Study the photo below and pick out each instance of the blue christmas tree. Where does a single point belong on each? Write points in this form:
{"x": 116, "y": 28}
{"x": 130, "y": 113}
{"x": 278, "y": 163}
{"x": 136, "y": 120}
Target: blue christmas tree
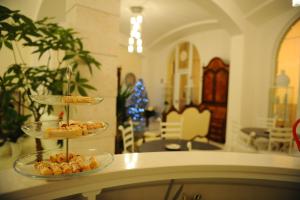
{"x": 136, "y": 105}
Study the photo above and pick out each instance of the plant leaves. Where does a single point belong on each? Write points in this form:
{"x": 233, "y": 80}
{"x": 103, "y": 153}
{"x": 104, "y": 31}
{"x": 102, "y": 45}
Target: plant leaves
{"x": 88, "y": 87}
{"x": 8, "y": 44}
{"x": 81, "y": 91}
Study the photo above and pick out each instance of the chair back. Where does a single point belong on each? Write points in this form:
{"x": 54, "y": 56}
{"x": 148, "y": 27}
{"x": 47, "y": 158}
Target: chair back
{"x": 173, "y": 116}
{"x": 280, "y": 139}
{"x": 195, "y": 123}
{"x": 171, "y": 130}
{"x": 266, "y": 122}
{"x": 128, "y": 137}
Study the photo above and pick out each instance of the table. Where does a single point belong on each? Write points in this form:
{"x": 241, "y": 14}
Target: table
{"x": 259, "y": 132}
{"x": 160, "y": 145}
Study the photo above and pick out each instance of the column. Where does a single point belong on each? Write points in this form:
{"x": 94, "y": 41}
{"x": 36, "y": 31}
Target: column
{"x": 97, "y": 22}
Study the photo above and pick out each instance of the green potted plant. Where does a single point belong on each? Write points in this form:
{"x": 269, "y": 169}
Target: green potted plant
{"x": 122, "y": 116}
{"x": 48, "y": 40}
{"x": 10, "y": 119}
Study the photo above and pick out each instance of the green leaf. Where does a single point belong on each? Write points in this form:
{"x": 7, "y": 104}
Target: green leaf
{"x": 88, "y": 86}
{"x": 72, "y": 88}
{"x": 3, "y": 16}
{"x": 68, "y": 56}
{"x": 77, "y": 77}
{"x": 83, "y": 80}
{"x": 5, "y": 10}
{"x": 26, "y": 19}
{"x": 81, "y": 91}
{"x": 8, "y": 44}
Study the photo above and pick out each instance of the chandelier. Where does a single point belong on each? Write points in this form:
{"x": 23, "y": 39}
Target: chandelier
{"x": 135, "y": 42}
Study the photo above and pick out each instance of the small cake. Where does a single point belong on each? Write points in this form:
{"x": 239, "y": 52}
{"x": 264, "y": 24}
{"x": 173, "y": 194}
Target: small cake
{"x": 95, "y": 125}
{"x": 64, "y": 132}
{"x": 57, "y": 164}
{"x": 78, "y": 99}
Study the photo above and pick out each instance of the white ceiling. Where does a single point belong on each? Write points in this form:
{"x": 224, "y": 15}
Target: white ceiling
{"x": 161, "y": 16}
{"x": 168, "y": 18}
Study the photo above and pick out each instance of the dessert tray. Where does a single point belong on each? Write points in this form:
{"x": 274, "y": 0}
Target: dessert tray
{"x": 55, "y": 129}
{"x": 62, "y": 163}
{"x": 65, "y": 100}
{"x": 53, "y": 165}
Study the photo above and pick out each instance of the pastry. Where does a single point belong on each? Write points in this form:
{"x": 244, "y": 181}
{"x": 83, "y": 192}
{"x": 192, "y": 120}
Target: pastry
{"x": 56, "y": 169}
{"x": 63, "y": 132}
{"x": 93, "y": 162}
{"x": 57, "y": 164}
{"x": 78, "y": 99}
{"x": 95, "y": 125}
{"x": 75, "y": 129}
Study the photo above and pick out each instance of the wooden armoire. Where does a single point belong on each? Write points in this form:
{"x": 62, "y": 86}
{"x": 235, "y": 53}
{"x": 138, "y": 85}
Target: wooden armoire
{"x": 214, "y": 97}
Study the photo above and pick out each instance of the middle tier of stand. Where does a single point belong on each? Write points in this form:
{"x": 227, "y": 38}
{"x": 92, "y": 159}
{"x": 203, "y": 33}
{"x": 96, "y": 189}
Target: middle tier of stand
{"x": 65, "y": 100}
{"x": 55, "y": 129}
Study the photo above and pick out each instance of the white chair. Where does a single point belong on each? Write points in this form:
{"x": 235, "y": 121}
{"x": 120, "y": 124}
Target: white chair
{"x": 171, "y": 130}
{"x": 128, "y": 138}
{"x": 242, "y": 142}
{"x": 153, "y": 134}
{"x": 266, "y": 122}
{"x": 280, "y": 139}
{"x": 261, "y": 143}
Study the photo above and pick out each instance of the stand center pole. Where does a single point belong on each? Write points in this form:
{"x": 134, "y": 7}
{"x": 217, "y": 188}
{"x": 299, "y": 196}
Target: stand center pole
{"x": 69, "y": 74}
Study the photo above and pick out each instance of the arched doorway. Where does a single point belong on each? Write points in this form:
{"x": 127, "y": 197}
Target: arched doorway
{"x": 183, "y": 76}
{"x": 288, "y": 63}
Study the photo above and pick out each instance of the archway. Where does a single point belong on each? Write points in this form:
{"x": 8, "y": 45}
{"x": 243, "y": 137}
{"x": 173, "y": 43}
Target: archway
{"x": 288, "y": 63}
{"x": 183, "y": 76}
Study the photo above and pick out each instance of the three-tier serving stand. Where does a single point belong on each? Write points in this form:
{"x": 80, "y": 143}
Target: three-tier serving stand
{"x": 37, "y": 130}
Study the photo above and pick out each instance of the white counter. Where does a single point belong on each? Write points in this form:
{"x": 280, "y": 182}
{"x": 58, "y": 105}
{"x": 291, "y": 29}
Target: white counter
{"x": 146, "y": 167}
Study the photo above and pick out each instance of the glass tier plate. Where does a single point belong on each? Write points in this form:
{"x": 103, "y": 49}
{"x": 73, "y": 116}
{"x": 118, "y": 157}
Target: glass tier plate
{"x": 65, "y": 100}
{"x": 44, "y": 129}
{"x": 24, "y": 165}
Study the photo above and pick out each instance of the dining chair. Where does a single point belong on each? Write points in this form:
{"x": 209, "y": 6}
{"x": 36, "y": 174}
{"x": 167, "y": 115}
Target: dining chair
{"x": 242, "y": 142}
{"x": 196, "y": 124}
{"x": 153, "y": 134}
{"x": 280, "y": 139}
{"x": 266, "y": 122}
{"x": 171, "y": 129}
{"x": 128, "y": 138}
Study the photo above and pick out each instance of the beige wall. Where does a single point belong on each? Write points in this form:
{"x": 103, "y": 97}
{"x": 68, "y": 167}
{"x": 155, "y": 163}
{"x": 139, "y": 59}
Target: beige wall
{"x": 129, "y": 62}
{"x": 29, "y": 8}
{"x": 98, "y": 24}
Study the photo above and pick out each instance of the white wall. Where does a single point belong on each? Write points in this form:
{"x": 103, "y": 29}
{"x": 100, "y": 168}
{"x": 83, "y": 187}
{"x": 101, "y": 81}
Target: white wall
{"x": 261, "y": 46}
{"x": 256, "y": 55}
{"x": 209, "y": 44}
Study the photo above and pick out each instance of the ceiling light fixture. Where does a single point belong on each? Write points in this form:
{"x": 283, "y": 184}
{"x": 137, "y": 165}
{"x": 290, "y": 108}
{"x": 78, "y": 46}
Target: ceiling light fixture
{"x": 135, "y": 39}
{"x": 296, "y": 3}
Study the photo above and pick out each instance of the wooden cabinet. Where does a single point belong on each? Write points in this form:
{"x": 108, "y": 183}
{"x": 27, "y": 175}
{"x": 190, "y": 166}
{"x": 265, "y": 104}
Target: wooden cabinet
{"x": 214, "y": 97}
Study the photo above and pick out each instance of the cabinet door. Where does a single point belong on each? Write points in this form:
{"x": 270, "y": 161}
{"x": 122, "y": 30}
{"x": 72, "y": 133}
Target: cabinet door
{"x": 208, "y": 86}
{"x": 221, "y": 87}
